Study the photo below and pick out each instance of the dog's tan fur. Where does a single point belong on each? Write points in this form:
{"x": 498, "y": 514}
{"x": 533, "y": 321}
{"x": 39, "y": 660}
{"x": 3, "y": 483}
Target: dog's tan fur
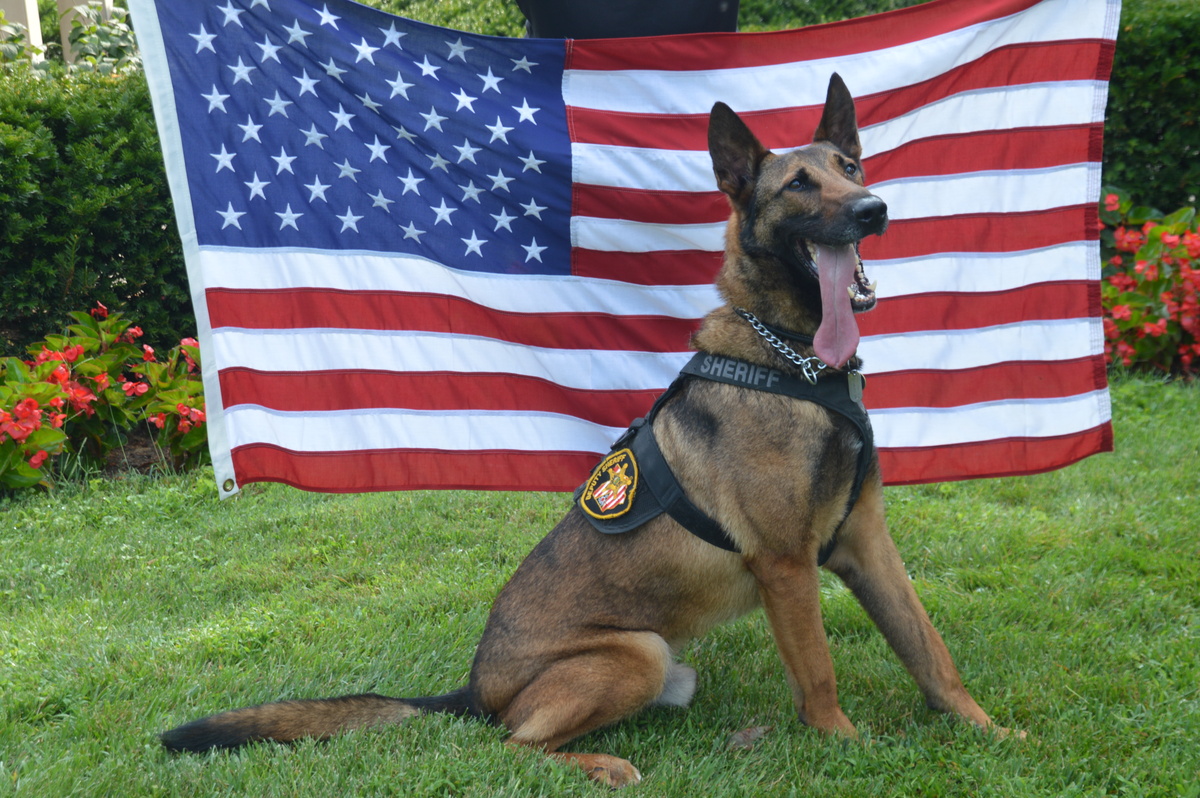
{"x": 584, "y": 633}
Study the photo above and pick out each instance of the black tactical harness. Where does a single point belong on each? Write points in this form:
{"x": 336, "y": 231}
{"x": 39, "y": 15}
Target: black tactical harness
{"x": 634, "y": 484}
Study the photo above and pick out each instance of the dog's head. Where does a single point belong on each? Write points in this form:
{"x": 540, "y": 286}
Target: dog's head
{"x": 804, "y": 211}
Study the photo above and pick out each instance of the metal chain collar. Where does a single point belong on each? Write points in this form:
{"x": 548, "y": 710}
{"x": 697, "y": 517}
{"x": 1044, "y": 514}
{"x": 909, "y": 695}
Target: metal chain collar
{"x": 811, "y": 367}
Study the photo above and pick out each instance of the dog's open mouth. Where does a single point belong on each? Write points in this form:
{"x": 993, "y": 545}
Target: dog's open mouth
{"x": 844, "y": 292}
{"x": 861, "y": 292}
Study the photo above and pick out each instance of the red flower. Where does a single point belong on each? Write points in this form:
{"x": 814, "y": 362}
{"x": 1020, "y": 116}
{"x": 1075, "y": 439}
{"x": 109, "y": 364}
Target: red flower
{"x": 1170, "y": 240}
{"x": 81, "y": 398}
{"x": 101, "y": 381}
{"x": 158, "y": 419}
{"x": 57, "y": 419}
{"x": 99, "y": 312}
{"x": 1155, "y": 330}
{"x": 24, "y": 419}
{"x": 147, "y": 353}
{"x": 1121, "y": 312}
{"x": 38, "y": 458}
{"x": 1128, "y": 240}
{"x": 27, "y": 408}
{"x": 1122, "y": 282}
{"x": 132, "y": 389}
{"x": 1112, "y": 202}
{"x": 1192, "y": 242}
{"x": 60, "y": 375}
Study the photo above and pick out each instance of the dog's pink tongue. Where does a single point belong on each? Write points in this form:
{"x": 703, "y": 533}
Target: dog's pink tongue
{"x": 837, "y": 337}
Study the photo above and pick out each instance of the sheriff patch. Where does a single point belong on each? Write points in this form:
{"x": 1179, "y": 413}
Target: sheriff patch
{"x": 610, "y": 489}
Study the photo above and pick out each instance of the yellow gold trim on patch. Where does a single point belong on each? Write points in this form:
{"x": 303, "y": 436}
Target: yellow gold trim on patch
{"x": 609, "y": 490}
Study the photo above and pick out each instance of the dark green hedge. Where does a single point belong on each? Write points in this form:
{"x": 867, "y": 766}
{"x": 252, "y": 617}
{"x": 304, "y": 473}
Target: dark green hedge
{"x": 84, "y": 211}
{"x": 1152, "y": 135}
{"x": 85, "y": 215}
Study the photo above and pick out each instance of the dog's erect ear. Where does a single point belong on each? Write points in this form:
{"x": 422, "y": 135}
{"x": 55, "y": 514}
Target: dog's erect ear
{"x": 736, "y": 153}
{"x": 839, "y": 124}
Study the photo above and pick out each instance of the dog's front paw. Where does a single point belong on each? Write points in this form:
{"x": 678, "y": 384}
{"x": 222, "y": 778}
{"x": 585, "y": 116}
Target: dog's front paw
{"x": 1003, "y": 733}
{"x": 613, "y": 771}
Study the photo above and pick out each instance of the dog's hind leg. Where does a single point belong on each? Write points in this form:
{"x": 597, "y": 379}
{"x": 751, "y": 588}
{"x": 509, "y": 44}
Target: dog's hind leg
{"x": 609, "y": 680}
{"x": 868, "y": 562}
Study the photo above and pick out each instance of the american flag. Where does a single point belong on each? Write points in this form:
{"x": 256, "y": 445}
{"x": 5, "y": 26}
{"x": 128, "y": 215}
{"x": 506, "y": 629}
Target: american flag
{"x": 424, "y": 258}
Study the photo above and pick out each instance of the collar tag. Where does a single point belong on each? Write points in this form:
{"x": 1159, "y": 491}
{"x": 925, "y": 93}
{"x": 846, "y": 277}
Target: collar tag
{"x": 854, "y": 384}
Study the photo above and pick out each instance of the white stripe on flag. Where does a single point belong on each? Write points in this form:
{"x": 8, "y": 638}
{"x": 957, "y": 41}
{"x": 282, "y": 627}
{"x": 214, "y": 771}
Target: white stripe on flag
{"x": 346, "y": 431}
{"x": 1014, "y": 191}
{"x": 963, "y": 349}
{"x": 619, "y": 235}
{"x": 904, "y": 427}
{"x": 332, "y": 350}
{"x": 283, "y": 269}
{"x": 985, "y": 272}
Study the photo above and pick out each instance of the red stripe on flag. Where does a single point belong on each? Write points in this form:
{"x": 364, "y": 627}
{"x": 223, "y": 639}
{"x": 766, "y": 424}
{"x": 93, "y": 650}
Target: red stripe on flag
{"x": 984, "y": 232}
{"x": 1001, "y": 458}
{"x": 992, "y": 150}
{"x": 1000, "y": 150}
{"x": 653, "y": 207}
{"x": 319, "y": 391}
{"x": 786, "y": 127}
{"x": 993, "y": 383}
{"x": 359, "y": 471}
{"x": 685, "y": 267}
{"x": 702, "y": 51}
{"x": 300, "y": 308}
{"x": 905, "y": 238}
{"x": 964, "y": 311}
{"x": 402, "y": 469}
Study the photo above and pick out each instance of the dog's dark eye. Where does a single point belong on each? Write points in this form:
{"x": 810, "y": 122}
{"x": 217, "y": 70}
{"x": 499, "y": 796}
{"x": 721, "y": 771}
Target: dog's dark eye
{"x": 851, "y": 169}
{"x": 799, "y": 182}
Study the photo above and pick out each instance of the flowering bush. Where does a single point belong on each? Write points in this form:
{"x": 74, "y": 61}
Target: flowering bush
{"x": 1149, "y": 291}
{"x": 80, "y": 392}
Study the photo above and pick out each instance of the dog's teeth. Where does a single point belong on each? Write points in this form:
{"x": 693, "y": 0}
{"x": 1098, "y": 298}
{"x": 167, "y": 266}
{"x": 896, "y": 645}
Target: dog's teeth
{"x": 872, "y": 286}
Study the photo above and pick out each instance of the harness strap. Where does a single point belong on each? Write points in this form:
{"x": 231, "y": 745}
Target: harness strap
{"x": 666, "y": 488}
{"x": 834, "y": 390}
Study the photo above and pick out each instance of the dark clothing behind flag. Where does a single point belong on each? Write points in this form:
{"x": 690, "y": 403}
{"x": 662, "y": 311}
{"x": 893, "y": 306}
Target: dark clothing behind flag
{"x": 614, "y": 19}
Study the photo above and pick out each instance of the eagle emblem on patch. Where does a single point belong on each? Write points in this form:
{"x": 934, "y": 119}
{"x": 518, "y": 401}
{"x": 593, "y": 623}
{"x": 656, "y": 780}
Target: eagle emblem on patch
{"x": 608, "y": 493}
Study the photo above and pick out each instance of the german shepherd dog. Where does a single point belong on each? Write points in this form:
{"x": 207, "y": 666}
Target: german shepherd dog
{"x": 584, "y": 633}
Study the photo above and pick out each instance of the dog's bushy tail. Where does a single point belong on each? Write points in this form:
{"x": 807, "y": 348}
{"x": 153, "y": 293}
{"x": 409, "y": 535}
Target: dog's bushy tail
{"x": 320, "y": 718}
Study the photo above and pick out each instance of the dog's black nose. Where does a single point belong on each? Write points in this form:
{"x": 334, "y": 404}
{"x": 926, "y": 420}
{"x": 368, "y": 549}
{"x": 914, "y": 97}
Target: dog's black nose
{"x": 870, "y": 213}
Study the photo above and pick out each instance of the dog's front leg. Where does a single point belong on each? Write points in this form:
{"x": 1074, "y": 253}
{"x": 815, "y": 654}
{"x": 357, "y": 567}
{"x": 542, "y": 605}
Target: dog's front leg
{"x": 790, "y": 591}
{"x": 868, "y": 562}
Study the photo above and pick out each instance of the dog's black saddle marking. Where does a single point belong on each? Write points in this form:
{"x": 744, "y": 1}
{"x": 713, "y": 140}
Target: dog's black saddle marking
{"x": 657, "y": 491}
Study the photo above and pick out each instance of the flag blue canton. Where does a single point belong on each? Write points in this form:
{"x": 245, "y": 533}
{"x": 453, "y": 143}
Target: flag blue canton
{"x": 343, "y": 128}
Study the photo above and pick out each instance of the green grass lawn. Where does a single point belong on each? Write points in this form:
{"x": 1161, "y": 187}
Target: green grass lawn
{"x": 1070, "y": 601}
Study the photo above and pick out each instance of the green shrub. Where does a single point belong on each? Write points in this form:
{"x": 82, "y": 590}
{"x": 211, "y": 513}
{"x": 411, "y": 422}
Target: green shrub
{"x": 85, "y": 214}
{"x": 1152, "y": 134}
